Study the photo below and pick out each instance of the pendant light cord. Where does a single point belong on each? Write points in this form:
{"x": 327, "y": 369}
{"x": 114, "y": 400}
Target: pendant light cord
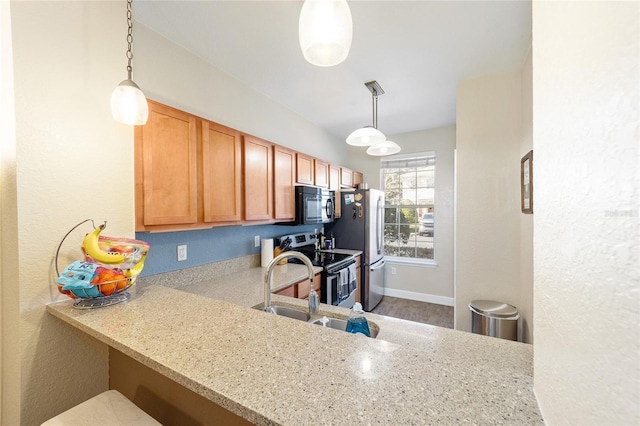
{"x": 129, "y": 38}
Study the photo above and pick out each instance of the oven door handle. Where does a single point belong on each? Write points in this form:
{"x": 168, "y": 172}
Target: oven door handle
{"x": 332, "y": 269}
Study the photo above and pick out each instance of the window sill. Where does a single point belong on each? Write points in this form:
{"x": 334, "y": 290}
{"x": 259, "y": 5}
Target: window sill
{"x": 420, "y": 263}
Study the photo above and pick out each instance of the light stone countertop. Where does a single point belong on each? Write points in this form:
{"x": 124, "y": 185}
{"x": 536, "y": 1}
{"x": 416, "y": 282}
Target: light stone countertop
{"x": 276, "y": 370}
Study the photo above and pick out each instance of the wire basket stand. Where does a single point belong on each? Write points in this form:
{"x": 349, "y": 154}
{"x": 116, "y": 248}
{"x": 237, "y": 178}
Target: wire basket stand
{"x": 102, "y": 293}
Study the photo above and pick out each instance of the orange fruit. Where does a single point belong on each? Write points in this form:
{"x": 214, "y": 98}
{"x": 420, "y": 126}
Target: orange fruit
{"x": 122, "y": 282}
{"x": 107, "y": 289}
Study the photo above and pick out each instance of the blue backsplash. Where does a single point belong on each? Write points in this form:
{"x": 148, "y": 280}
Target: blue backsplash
{"x": 208, "y": 245}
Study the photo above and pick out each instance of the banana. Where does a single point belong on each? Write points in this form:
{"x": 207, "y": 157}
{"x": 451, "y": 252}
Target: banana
{"x": 135, "y": 271}
{"x": 91, "y": 248}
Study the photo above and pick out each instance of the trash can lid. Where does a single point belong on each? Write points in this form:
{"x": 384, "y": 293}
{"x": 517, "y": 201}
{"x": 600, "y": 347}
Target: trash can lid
{"x": 491, "y": 308}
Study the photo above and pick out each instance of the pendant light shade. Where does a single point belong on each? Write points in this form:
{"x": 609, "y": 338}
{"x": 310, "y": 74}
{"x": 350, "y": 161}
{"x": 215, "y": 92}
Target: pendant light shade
{"x": 128, "y": 103}
{"x": 370, "y": 135}
{"x": 325, "y": 31}
{"x": 366, "y": 136}
{"x": 384, "y": 148}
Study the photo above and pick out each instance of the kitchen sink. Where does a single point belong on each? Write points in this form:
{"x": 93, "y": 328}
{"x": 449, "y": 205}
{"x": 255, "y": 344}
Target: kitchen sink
{"x": 298, "y": 314}
{"x": 287, "y": 312}
{"x": 337, "y": 323}
{"x": 340, "y": 324}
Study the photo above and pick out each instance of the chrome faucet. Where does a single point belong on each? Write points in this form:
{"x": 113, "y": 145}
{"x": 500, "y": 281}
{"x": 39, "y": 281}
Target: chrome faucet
{"x": 314, "y": 300}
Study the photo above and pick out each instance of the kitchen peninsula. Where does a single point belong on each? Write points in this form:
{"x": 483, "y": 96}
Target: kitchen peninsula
{"x": 269, "y": 369}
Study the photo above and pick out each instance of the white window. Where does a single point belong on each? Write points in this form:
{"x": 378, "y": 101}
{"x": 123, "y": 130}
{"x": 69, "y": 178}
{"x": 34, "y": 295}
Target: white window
{"x": 408, "y": 182}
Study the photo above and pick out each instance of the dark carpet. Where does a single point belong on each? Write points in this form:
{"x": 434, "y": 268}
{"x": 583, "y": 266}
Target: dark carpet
{"x": 427, "y": 313}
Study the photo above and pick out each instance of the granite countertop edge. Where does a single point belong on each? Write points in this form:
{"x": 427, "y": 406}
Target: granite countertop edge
{"x": 233, "y": 330}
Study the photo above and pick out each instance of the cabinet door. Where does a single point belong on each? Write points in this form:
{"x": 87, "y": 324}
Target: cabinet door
{"x": 289, "y": 291}
{"x": 334, "y": 183}
{"x": 221, "y": 173}
{"x": 346, "y": 178}
{"x": 357, "y": 179}
{"x": 304, "y": 169}
{"x": 304, "y": 287}
{"x": 284, "y": 161}
{"x": 258, "y": 179}
{"x": 167, "y": 167}
{"x": 321, "y": 178}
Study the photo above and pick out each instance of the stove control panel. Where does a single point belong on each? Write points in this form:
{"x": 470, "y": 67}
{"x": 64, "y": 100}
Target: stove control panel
{"x": 298, "y": 240}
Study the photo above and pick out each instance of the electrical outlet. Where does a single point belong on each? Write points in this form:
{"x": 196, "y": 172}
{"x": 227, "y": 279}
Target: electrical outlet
{"x": 256, "y": 241}
{"x": 182, "y": 252}
{"x": 393, "y": 270}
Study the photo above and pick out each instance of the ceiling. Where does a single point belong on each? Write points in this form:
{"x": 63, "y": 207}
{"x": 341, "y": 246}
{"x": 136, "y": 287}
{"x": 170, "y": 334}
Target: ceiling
{"x": 418, "y": 51}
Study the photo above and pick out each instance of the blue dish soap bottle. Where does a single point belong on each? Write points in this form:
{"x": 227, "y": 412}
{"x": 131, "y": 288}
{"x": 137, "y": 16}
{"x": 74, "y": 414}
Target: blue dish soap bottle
{"x": 357, "y": 323}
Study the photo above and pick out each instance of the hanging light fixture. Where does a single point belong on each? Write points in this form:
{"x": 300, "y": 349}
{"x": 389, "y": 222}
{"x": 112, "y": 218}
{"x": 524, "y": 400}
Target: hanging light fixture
{"x": 128, "y": 104}
{"x": 369, "y": 135}
{"x": 384, "y": 148}
{"x": 325, "y": 31}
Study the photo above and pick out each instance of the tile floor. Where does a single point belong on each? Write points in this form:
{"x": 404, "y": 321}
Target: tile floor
{"x": 412, "y": 310}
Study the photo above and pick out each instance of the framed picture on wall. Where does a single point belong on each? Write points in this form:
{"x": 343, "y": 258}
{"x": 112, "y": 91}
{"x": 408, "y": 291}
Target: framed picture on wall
{"x": 526, "y": 183}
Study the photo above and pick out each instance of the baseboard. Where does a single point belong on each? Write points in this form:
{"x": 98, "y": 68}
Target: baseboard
{"x": 420, "y": 297}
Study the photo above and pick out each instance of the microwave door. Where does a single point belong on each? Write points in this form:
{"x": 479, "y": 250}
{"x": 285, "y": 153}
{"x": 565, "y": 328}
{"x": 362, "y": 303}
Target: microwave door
{"x": 312, "y": 205}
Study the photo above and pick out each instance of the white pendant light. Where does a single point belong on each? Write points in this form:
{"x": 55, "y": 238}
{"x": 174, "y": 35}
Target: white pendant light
{"x": 369, "y": 135}
{"x": 384, "y": 148}
{"x": 128, "y": 103}
{"x": 325, "y": 31}
{"x": 366, "y": 136}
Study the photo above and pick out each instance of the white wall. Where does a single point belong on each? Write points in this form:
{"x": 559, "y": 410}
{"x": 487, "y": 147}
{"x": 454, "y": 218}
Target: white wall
{"x": 74, "y": 162}
{"x": 488, "y": 144}
{"x": 587, "y": 183}
{"x": 424, "y": 283}
{"x": 9, "y": 312}
{"x": 170, "y": 75}
{"x": 429, "y": 284}
{"x": 525, "y": 306}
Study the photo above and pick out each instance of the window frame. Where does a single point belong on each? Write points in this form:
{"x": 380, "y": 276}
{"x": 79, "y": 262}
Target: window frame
{"x": 413, "y": 261}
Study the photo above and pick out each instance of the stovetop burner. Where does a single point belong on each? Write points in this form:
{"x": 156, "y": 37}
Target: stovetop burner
{"x": 320, "y": 258}
{"x": 306, "y": 244}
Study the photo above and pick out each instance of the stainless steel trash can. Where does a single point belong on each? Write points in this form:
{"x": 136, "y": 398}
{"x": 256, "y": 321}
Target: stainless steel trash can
{"x": 495, "y": 319}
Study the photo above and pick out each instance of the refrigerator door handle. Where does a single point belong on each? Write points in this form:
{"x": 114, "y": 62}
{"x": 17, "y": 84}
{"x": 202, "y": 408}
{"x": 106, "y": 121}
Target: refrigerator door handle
{"x": 378, "y": 265}
{"x": 379, "y": 226}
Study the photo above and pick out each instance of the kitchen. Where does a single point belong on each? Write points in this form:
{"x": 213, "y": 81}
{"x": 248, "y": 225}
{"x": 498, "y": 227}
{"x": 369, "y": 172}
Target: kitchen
{"x": 70, "y": 132}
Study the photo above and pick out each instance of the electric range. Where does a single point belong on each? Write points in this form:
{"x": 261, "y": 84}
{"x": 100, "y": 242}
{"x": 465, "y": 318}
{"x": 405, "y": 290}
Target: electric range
{"x": 339, "y": 284}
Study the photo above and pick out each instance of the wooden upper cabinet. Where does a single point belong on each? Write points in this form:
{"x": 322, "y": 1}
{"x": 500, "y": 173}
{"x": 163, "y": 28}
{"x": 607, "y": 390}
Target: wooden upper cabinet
{"x": 334, "y": 183}
{"x": 221, "y": 173}
{"x": 284, "y": 171}
{"x": 191, "y": 173}
{"x": 258, "y": 178}
{"x": 357, "y": 179}
{"x": 346, "y": 177}
{"x": 321, "y": 177}
{"x": 166, "y": 168}
{"x": 305, "y": 174}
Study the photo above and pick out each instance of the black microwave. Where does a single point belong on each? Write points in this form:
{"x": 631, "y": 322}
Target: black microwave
{"x": 314, "y": 205}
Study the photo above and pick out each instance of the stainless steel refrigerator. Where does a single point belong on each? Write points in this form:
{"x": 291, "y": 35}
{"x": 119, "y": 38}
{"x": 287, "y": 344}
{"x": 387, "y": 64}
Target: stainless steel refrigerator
{"x": 361, "y": 227}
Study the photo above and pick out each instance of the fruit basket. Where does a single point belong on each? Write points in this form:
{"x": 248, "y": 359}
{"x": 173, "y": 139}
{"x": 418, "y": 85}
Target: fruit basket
{"x": 110, "y": 266}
